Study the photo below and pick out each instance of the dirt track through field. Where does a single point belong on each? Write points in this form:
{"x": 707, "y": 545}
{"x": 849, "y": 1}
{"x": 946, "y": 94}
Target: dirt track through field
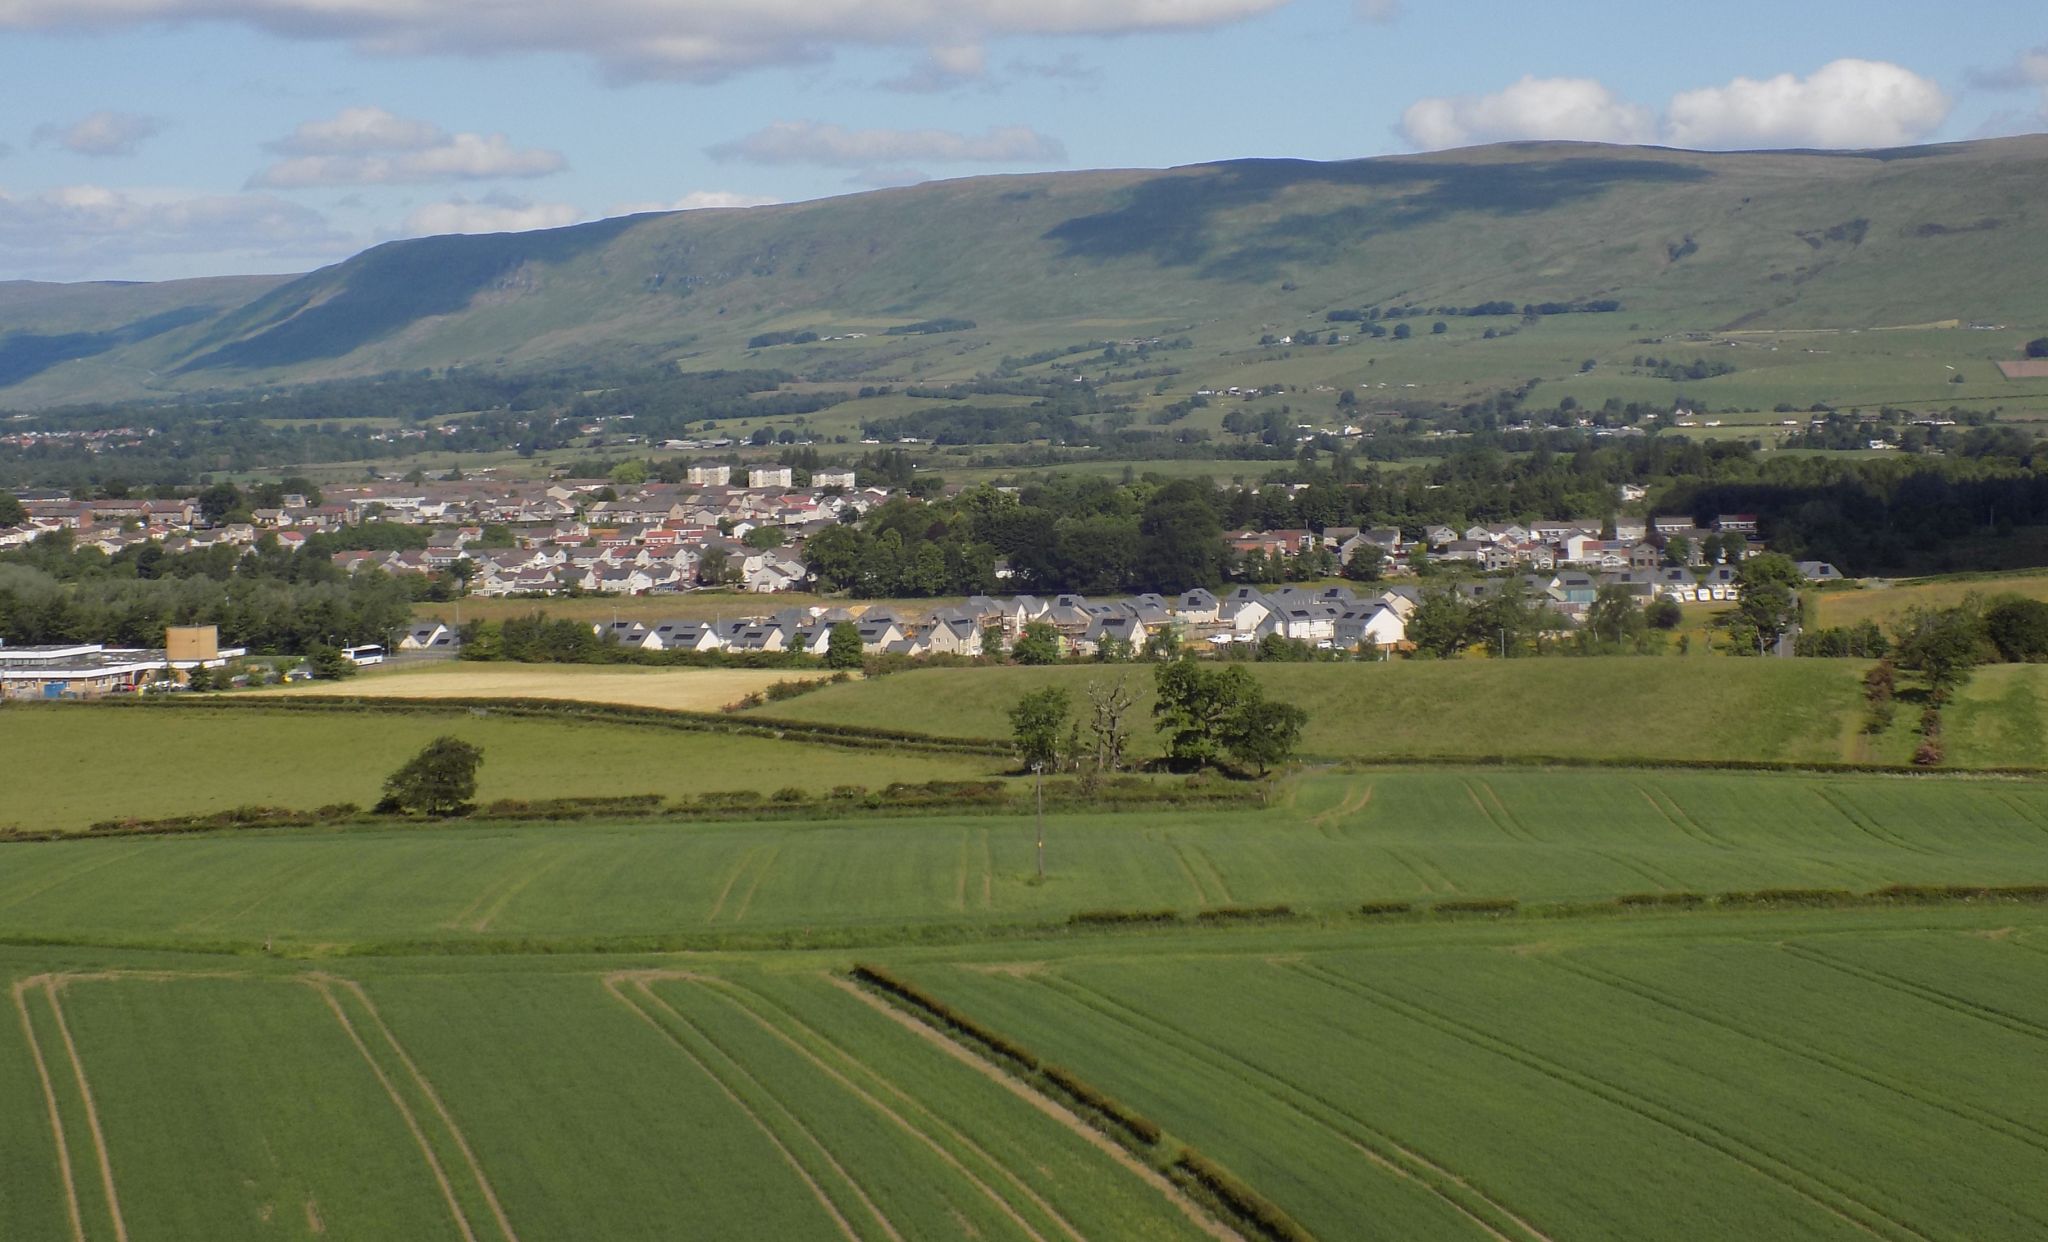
{"x": 734, "y": 994}
{"x": 405, "y": 1113}
{"x": 1382, "y": 1151}
{"x": 1814, "y": 1188}
{"x": 56, "y": 1114}
{"x": 51, "y": 986}
{"x": 616, "y": 983}
{"x": 426, "y": 1088}
{"x": 1067, "y": 1119}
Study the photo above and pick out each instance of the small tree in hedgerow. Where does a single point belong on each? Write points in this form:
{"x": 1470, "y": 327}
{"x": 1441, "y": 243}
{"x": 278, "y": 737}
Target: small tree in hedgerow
{"x": 1036, "y": 724}
{"x": 1038, "y": 644}
{"x": 438, "y": 782}
{"x": 842, "y": 646}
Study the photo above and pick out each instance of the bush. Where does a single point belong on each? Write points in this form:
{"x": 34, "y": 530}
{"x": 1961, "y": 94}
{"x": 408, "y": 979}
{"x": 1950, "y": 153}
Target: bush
{"x": 1492, "y": 907}
{"x": 1247, "y": 914}
{"x": 789, "y": 793}
{"x": 1654, "y": 900}
{"x": 1928, "y": 754}
{"x": 1139, "y": 1128}
{"x": 1260, "y": 1217}
{"x": 1787, "y": 897}
{"x": 1111, "y": 918}
{"x": 729, "y": 797}
{"x": 1374, "y": 909}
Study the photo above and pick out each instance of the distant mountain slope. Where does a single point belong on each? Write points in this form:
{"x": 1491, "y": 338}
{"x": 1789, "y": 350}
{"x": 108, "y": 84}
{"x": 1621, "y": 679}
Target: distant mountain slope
{"x": 1779, "y": 239}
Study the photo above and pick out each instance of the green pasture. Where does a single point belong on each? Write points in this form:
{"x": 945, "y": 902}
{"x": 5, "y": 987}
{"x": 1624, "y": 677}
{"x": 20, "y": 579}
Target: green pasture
{"x": 1853, "y": 1077}
{"x": 1612, "y": 708}
{"x": 1334, "y": 841}
{"x": 72, "y": 765}
{"x": 1888, "y": 602}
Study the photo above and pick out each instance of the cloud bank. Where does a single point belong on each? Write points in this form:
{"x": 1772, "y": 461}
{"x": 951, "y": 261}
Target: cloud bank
{"x": 103, "y": 134}
{"x": 691, "y": 39}
{"x": 370, "y": 146}
{"x": 90, "y": 228}
{"x": 1844, "y": 104}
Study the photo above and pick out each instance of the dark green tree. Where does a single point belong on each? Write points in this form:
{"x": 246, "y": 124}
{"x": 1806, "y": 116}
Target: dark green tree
{"x": 1038, "y": 644}
{"x": 1943, "y": 645}
{"x": 1440, "y": 624}
{"x": 1037, "y": 723}
{"x": 11, "y": 511}
{"x": 2018, "y": 628}
{"x": 439, "y": 781}
{"x": 1263, "y": 733}
{"x": 1769, "y": 602}
{"x": 328, "y": 664}
{"x": 843, "y": 646}
{"x": 1180, "y": 539}
{"x": 1195, "y": 703}
{"x": 2038, "y": 347}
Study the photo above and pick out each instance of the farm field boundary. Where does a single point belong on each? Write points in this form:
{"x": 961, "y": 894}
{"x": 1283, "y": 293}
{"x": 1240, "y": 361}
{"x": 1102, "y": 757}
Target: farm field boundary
{"x": 570, "y": 709}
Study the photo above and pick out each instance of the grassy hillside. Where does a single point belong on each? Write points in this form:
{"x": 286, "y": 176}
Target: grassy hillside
{"x": 1218, "y": 252}
{"x": 1622, "y": 708}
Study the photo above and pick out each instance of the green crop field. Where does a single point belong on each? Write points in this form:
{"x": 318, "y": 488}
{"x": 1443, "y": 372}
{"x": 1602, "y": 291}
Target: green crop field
{"x": 407, "y": 1032}
{"x": 1333, "y": 841}
{"x": 1888, "y": 604}
{"x": 186, "y": 1103}
{"x": 1825, "y": 1079}
{"x": 181, "y": 762}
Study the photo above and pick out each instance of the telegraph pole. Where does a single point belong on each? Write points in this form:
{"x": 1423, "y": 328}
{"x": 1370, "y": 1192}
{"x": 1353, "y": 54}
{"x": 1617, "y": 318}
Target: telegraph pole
{"x": 1038, "y": 777}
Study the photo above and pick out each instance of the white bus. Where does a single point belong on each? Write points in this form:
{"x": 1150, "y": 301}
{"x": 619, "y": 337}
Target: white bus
{"x": 364, "y": 656}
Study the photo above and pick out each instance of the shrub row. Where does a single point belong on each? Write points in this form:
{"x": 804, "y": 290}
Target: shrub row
{"x": 234, "y": 817}
{"x": 1962, "y": 892}
{"x": 1373, "y": 909}
{"x": 1139, "y": 1128}
{"x": 571, "y": 808}
{"x": 1786, "y": 897}
{"x": 1649, "y": 763}
{"x": 1666, "y": 900}
{"x": 1247, "y": 1207}
{"x": 946, "y": 1016}
{"x": 1112, "y": 918}
{"x": 1247, "y": 914}
{"x": 1491, "y": 906}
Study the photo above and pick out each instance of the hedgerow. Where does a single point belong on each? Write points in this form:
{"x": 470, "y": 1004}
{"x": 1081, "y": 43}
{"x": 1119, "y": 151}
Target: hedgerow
{"x": 1250, "y": 1209}
{"x": 1112, "y": 918}
{"x": 1491, "y": 906}
{"x": 1247, "y": 914}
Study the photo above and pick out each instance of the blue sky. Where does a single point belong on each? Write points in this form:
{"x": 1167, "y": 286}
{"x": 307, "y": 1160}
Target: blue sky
{"x": 154, "y": 139}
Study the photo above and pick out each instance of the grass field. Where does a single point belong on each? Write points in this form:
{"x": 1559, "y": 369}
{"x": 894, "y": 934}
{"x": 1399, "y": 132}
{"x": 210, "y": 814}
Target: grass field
{"x": 647, "y": 1102}
{"x": 1887, "y": 604}
{"x": 1605, "y": 708}
{"x": 1575, "y": 1082}
{"x": 181, "y": 762}
{"x": 1422, "y": 836}
{"x": 680, "y": 689}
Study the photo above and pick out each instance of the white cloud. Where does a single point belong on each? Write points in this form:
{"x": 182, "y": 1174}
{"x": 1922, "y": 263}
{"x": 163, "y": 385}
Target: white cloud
{"x": 816, "y": 142}
{"x": 698, "y": 200}
{"x": 942, "y": 69}
{"x": 360, "y": 131}
{"x": 102, "y": 133}
{"x": 491, "y": 214}
{"x": 697, "y": 39}
{"x": 1379, "y": 10}
{"x": 82, "y": 231}
{"x": 1533, "y": 108}
{"x": 369, "y": 146}
{"x": 1844, "y": 104}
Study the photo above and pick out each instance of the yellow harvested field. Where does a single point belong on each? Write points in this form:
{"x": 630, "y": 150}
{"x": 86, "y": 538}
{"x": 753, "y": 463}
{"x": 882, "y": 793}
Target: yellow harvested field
{"x": 681, "y": 689}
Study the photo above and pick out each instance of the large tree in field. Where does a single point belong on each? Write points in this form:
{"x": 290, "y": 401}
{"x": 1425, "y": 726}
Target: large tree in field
{"x": 842, "y": 645}
{"x": 1037, "y": 723}
{"x": 1769, "y": 602}
{"x": 438, "y": 781}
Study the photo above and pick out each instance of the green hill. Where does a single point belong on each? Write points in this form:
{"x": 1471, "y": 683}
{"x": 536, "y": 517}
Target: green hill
{"x": 1218, "y": 252}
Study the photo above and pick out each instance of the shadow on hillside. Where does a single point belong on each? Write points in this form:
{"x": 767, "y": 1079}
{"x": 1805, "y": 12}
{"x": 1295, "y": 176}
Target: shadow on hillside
{"x": 339, "y": 309}
{"x": 1170, "y": 218}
